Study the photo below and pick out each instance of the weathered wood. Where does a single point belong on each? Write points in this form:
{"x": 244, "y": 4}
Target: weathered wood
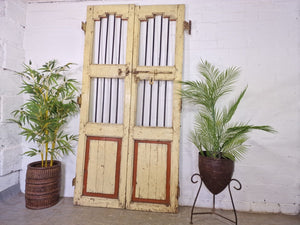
{"x": 147, "y": 157}
{"x": 125, "y": 165}
{"x": 151, "y": 172}
{"x": 107, "y": 70}
{"x": 101, "y": 166}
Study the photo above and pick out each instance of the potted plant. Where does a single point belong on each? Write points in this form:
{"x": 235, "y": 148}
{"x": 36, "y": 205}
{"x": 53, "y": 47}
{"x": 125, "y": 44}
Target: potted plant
{"x": 220, "y": 142}
{"x": 42, "y": 118}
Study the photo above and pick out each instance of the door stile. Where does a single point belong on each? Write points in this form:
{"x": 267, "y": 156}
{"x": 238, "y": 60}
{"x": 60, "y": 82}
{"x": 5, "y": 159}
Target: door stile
{"x": 177, "y": 104}
{"x": 87, "y": 60}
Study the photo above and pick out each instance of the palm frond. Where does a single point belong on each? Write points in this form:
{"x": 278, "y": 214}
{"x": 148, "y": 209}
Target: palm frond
{"x": 212, "y": 132}
{"x": 228, "y": 113}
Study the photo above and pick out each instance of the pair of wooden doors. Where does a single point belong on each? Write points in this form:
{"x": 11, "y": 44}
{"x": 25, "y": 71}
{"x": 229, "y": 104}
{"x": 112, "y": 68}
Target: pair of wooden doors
{"x": 128, "y": 149}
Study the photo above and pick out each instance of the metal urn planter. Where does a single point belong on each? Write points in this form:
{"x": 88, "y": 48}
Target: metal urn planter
{"x": 216, "y": 174}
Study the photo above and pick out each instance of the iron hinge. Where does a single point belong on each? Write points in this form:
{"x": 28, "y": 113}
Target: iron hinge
{"x": 188, "y": 26}
{"x": 83, "y": 26}
{"x": 79, "y": 100}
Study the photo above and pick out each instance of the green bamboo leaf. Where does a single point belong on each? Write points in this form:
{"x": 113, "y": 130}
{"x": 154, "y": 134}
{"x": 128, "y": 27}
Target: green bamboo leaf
{"x": 49, "y": 105}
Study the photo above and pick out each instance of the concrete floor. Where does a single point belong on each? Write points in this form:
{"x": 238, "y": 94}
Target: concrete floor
{"x": 13, "y": 212}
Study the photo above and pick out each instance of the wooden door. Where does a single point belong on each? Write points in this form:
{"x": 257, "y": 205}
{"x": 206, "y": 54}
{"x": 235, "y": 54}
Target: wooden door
{"x": 128, "y": 150}
{"x": 152, "y": 182}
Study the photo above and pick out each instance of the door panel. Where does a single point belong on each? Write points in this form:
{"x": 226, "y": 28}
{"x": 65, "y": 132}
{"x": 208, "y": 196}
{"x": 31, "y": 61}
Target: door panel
{"x": 151, "y": 172}
{"x": 128, "y": 149}
{"x": 104, "y": 117}
{"x": 155, "y": 109}
{"x": 102, "y": 164}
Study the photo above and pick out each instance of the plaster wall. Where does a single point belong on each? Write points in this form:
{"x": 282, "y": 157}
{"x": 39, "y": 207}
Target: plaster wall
{"x": 12, "y": 26}
{"x": 262, "y": 37}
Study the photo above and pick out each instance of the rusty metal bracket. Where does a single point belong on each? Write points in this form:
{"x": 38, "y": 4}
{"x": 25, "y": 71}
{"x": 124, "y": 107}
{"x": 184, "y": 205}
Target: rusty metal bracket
{"x": 79, "y": 100}
{"x": 152, "y": 78}
{"x": 83, "y": 26}
{"x": 188, "y": 26}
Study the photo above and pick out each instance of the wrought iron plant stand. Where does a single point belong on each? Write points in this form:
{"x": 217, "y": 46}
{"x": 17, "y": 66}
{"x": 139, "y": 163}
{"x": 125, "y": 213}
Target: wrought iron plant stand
{"x": 213, "y": 211}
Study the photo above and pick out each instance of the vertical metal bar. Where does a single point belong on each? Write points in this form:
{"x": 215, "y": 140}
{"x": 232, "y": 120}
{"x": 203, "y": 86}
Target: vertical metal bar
{"x": 145, "y": 63}
{"x": 119, "y": 56}
{"x": 105, "y": 56}
{"x": 165, "y": 100}
{"x": 97, "y": 80}
{"x": 112, "y": 58}
{"x": 152, "y": 63}
{"x": 146, "y": 47}
{"x": 168, "y": 40}
{"x": 118, "y": 85}
{"x": 161, "y": 26}
{"x": 96, "y": 101}
{"x": 107, "y": 28}
{"x": 153, "y": 41}
{"x": 159, "y": 63}
{"x": 113, "y": 41}
{"x": 100, "y": 23}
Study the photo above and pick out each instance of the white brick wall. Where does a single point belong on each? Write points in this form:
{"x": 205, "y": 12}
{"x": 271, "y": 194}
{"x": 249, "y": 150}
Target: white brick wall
{"x": 262, "y": 37}
{"x": 12, "y": 23}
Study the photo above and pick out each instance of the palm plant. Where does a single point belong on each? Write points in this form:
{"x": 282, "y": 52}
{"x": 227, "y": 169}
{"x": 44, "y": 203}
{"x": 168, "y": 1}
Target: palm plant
{"x": 214, "y": 134}
{"x": 51, "y": 101}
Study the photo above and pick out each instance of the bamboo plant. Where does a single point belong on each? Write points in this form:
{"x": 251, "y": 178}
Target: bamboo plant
{"x": 43, "y": 116}
{"x": 214, "y": 134}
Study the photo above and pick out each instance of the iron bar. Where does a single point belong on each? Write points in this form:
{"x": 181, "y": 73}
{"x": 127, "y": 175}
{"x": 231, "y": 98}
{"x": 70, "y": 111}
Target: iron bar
{"x": 105, "y": 57}
{"x": 113, "y": 40}
{"x": 112, "y": 62}
{"x": 159, "y": 63}
{"x": 166, "y": 87}
{"x": 107, "y": 29}
{"x": 118, "y": 85}
{"x": 97, "y": 80}
{"x": 151, "y": 86}
{"x": 168, "y": 40}
{"x": 160, "y": 44}
{"x": 145, "y": 63}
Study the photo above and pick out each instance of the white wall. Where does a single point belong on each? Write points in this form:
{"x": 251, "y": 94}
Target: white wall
{"x": 262, "y": 37}
{"x": 12, "y": 26}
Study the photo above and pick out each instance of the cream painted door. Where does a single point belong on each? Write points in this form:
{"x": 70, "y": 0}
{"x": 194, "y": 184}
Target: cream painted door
{"x": 128, "y": 150}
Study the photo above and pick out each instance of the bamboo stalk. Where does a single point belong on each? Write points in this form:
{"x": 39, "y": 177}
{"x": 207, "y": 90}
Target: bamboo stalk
{"x": 42, "y": 158}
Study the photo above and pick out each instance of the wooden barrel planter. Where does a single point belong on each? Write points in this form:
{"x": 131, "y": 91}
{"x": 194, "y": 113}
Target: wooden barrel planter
{"x": 42, "y": 185}
{"x": 215, "y": 173}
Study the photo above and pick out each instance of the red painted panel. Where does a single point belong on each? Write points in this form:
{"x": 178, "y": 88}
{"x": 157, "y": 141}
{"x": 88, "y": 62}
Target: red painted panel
{"x": 115, "y": 195}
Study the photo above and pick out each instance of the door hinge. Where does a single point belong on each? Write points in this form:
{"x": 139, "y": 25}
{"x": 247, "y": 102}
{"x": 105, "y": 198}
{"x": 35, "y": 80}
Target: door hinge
{"x": 83, "y": 26}
{"x": 79, "y": 100}
{"x": 73, "y": 181}
{"x": 188, "y": 26}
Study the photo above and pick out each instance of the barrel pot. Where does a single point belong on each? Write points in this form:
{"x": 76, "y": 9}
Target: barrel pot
{"x": 42, "y": 185}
